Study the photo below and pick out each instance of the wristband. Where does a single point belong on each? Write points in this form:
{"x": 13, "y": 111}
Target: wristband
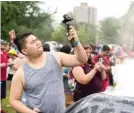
{"x": 76, "y": 43}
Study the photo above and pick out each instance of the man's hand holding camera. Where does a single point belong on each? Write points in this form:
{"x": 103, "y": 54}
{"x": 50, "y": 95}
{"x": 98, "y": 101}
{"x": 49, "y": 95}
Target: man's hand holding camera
{"x": 72, "y": 34}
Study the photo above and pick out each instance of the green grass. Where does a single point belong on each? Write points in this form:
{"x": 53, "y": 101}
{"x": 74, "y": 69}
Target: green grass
{"x": 5, "y": 102}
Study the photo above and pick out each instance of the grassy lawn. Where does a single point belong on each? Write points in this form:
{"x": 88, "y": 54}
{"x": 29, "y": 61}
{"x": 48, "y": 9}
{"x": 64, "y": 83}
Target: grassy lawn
{"x": 5, "y": 102}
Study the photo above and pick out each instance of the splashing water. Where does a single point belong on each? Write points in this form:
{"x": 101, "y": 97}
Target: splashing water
{"x": 124, "y": 78}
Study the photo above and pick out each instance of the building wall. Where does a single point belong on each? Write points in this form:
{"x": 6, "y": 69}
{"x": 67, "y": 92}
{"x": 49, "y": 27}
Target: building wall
{"x": 85, "y": 14}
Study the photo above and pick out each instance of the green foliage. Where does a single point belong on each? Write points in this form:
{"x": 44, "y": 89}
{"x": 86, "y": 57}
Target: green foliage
{"x": 59, "y": 34}
{"x": 25, "y": 16}
{"x": 87, "y": 33}
{"x": 83, "y": 35}
{"x": 109, "y": 30}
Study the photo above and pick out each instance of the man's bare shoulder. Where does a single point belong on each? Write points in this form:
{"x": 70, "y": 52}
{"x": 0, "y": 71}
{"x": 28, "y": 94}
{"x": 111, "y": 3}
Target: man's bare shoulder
{"x": 19, "y": 75}
{"x": 57, "y": 56}
{"x": 19, "y": 72}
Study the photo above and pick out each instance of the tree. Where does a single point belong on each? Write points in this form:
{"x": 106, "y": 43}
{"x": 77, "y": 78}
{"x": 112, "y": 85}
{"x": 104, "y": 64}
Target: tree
{"x": 24, "y": 16}
{"x": 127, "y": 27}
{"x": 59, "y": 34}
{"x": 83, "y": 35}
{"x": 87, "y": 32}
{"x": 109, "y": 30}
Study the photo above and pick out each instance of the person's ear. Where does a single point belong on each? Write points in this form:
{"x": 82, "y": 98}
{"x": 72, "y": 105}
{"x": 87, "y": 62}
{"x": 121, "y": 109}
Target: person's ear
{"x": 24, "y": 51}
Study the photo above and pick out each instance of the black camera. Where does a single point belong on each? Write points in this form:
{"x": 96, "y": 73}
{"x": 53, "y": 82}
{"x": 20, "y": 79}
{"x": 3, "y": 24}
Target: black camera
{"x": 67, "y": 21}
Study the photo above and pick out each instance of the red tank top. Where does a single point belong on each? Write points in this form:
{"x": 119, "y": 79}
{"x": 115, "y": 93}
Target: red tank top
{"x": 4, "y": 59}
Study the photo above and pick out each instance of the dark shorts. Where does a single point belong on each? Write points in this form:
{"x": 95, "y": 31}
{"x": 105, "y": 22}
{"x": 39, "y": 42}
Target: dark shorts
{"x": 3, "y": 89}
{"x": 10, "y": 77}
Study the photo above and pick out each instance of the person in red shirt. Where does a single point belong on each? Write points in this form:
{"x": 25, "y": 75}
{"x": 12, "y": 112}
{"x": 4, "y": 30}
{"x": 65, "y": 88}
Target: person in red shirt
{"x": 104, "y": 58}
{"x": 3, "y": 66}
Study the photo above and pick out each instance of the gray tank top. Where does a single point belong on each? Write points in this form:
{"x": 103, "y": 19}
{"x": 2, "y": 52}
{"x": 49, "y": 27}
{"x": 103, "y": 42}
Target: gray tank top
{"x": 44, "y": 87}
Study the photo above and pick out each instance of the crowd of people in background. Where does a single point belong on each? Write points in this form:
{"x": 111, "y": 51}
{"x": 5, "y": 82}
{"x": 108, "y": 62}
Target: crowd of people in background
{"x": 11, "y": 60}
{"x": 80, "y": 81}
{"x": 85, "y": 80}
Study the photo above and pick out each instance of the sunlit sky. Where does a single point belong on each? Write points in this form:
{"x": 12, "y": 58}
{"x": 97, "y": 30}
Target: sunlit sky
{"x": 105, "y": 8}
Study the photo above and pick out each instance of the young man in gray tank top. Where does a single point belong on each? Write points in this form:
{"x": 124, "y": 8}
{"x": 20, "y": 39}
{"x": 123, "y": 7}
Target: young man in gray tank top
{"x": 41, "y": 76}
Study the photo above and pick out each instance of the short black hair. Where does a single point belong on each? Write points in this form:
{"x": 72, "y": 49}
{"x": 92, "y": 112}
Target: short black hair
{"x": 105, "y": 48}
{"x": 46, "y": 47}
{"x": 66, "y": 49}
{"x": 19, "y": 41}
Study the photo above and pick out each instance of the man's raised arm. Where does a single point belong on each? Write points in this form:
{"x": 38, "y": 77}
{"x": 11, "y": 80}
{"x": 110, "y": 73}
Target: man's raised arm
{"x": 80, "y": 57}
